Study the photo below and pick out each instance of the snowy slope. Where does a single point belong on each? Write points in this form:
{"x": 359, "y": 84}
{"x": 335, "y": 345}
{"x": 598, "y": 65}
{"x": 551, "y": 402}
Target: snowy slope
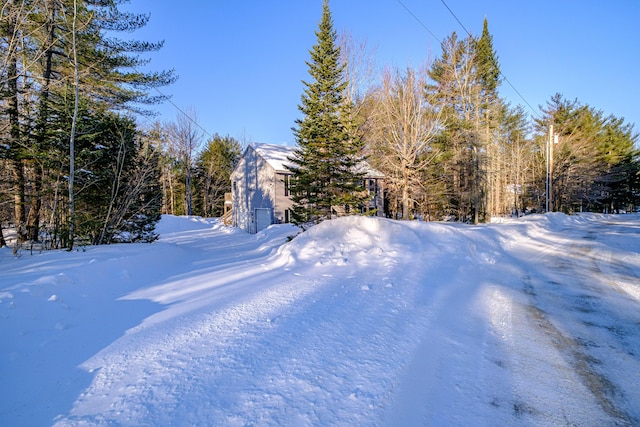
{"x": 357, "y": 321}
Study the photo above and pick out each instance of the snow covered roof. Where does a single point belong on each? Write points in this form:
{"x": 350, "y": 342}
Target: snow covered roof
{"x": 275, "y": 155}
{"x": 278, "y": 158}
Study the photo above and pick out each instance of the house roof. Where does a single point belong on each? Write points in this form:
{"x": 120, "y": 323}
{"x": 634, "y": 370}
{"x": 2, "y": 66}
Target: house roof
{"x": 277, "y": 156}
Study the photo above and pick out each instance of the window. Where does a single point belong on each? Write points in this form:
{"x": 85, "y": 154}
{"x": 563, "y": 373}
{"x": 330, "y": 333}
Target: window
{"x": 287, "y": 183}
{"x": 372, "y": 186}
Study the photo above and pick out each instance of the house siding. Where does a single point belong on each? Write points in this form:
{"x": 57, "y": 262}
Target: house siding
{"x": 253, "y": 187}
{"x": 259, "y": 183}
{"x": 283, "y": 201}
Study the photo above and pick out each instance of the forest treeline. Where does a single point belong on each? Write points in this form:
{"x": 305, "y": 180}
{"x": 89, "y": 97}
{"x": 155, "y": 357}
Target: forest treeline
{"x": 73, "y": 100}
{"x": 453, "y": 148}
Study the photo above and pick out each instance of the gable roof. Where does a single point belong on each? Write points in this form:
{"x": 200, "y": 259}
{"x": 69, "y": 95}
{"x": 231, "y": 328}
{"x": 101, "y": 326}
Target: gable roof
{"x": 277, "y": 156}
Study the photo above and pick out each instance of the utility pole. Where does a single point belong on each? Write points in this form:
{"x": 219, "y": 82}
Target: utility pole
{"x": 551, "y": 141}
{"x": 549, "y": 162}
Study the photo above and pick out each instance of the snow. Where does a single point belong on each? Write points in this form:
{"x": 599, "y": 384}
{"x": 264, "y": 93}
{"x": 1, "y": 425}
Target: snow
{"x": 277, "y": 156}
{"x": 356, "y": 321}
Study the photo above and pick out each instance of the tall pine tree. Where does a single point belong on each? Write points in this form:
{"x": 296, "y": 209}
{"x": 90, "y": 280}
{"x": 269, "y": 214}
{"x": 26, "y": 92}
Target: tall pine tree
{"x": 488, "y": 116}
{"x": 325, "y": 164}
{"x": 465, "y": 81}
{"x": 39, "y": 39}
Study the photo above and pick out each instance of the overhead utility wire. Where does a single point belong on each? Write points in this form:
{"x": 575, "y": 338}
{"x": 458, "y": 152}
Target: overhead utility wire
{"x": 456, "y": 18}
{"x": 419, "y": 21}
{"x": 413, "y": 15}
{"x": 535, "y": 113}
{"x": 184, "y": 114}
{"x": 167, "y": 98}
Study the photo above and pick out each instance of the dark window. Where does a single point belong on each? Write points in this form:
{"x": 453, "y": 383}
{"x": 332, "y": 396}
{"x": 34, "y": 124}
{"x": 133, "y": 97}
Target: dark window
{"x": 287, "y": 184}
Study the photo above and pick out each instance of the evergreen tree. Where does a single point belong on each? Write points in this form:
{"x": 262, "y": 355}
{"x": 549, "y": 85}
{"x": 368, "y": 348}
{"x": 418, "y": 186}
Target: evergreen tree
{"x": 595, "y": 160}
{"x": 457, "y": 92}
{"x": 487, "y": 75}
{"x": 326, "y": 180}
{"x": 140, "y": 200}
{"x": 465, "y": 81}
{"x": 119, "y": 196}
{"x": 621, "y": 177}
{"x": 213, "y": 173}
{"x": 39, "y": 40}
{"x": 487, "y": 68}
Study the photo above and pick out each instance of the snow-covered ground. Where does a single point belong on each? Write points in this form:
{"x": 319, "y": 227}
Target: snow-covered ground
{"x": 357, "y": 321}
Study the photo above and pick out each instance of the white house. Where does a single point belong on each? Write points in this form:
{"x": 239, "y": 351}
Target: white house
{"x": 260, "y": 188}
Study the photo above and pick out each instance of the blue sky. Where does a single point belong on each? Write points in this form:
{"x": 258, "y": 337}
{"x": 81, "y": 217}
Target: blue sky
{"x": 240, "y": 63}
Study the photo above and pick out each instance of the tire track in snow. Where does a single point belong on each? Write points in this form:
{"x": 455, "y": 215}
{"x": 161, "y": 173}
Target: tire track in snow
{"x": 447, "y": 380}
{"x": 330, "y": 371}
{"x": 584, "y": 365}
{"x": 461, "y": 371}
{"x": 577, "y": 260}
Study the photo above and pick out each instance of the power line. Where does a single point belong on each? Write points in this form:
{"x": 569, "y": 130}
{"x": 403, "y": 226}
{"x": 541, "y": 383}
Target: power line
{"x": 168, "y": 99}
{"x": 534, "y": 111}
{"x": 456, "y": 18}
{"x": 413, "y": 15}
{"x": 501, "y": 73}
{"x": 419, "y": 21}
{"x": 183, "y": 113}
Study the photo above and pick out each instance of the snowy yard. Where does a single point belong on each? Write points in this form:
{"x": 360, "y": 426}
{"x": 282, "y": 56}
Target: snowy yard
{"x": 358, "y": 322}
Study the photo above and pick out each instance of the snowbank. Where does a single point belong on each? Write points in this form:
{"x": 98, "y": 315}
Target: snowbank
{"x": 363, "y": 321}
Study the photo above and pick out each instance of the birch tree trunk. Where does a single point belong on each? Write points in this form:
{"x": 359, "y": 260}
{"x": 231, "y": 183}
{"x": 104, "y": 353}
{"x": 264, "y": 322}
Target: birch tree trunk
{"x": 74, "y": 121}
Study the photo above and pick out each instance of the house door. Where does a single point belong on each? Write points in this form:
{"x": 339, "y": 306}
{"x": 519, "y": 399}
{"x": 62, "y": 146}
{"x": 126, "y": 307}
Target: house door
{"x": 263, "y": 218}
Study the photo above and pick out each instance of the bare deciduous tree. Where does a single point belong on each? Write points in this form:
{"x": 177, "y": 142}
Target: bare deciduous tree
{"x": 359, "y": 67}
{"x": 404, "y": 130}
{"x": 185, "y": 137}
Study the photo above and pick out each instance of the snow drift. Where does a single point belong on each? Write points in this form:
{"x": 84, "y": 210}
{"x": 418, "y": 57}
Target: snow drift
{"x": 357, "y": 321}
